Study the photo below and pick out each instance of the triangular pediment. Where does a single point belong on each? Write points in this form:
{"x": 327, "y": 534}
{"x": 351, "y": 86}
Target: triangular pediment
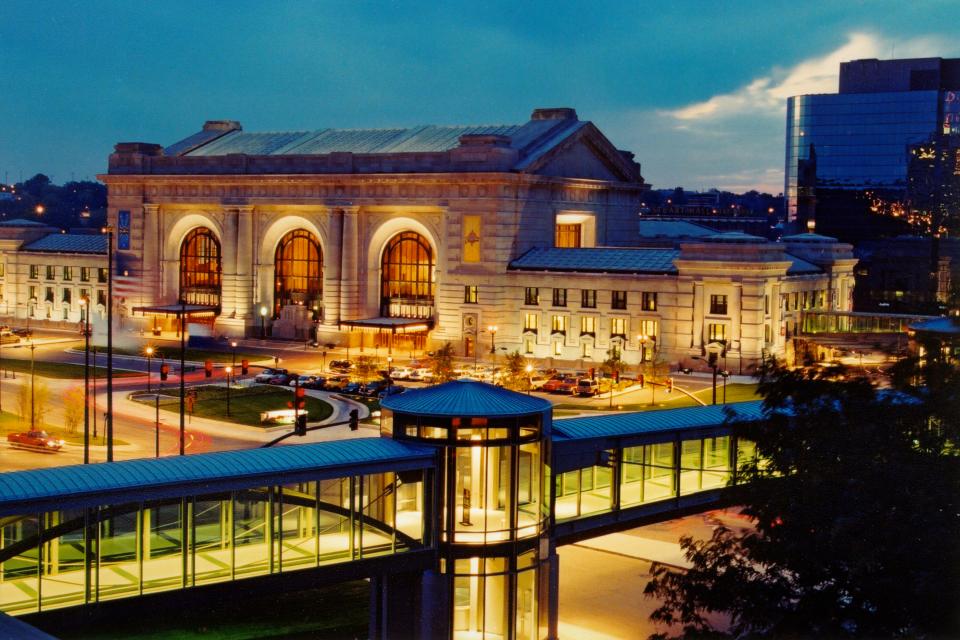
{"x": 588, "y": 154}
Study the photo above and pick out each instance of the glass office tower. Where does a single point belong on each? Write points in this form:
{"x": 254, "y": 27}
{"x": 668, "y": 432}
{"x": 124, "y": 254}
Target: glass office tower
{"x": 848, "y": 154}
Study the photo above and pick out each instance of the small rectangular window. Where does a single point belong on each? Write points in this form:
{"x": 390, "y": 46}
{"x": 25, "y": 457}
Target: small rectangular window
{"x": 767, "y": 334}
{"x": 717, "y": 332}
{"x": 618, "y": 327}
{"x": 718, "y": 305}
{"x": 470, "y": 294}
{"x": 618, "y": 300}
{"x": 528, "y": 345}
{"x": 559, "y": 324}
{"x": 33, "y": 292}
{"x": 67, "y": 296}
{"x": 67, "y": 273}
{"x": 649, "y": 328}
{"x": 34, "y": 271}
{"x": 3, "y": 269}
{"x": 85, "y": 295}
{"x": 588, "y": 298}
{"x": 531, "y": 296}
{"x": 51, "y": 272}
{"x": 49, "y": 294}
{"x": 531, "y": 321}
{"x": 558, "y": 348}
{"x": 766, "y": 304}
{"x": 559, "y": 297}
{"x": 588, "y": 325}
{"x": 101, "y": 275}
{"x": 84, "y": 274}
{"x": 568, "y": 235}
{"x": 649, "y": 301}
{"x": 101, "y": 297}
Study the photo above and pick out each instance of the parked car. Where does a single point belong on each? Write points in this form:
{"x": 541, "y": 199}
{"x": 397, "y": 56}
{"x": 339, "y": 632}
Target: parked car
{"x": 23, "y": 333}
{"x": 317, "y": 382}
{"x": 392, "y": 390}
{"x": 9, "y": 338}
{"x": 372, "y": 388}
{"x": 35, "y": 440}
{"x": 553, "y": 384}
{"x": 401, "y": 373}
{"x": 336, "y": 383}
{"x": 301, "y": 380}
{"x": 537, "y": 382}
{"x": 569, "y": 385}
{"x": 351, "y": 388}
{"x": 280, "y": 378}
{"x": 340, "y": 365}
{"x": 587, "y": 387}
{"x": 267, "y": 374}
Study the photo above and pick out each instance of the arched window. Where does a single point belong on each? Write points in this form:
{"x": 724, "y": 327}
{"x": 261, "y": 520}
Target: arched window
{"x": 200, "y": 268}
{"x": 406, "y": 277}
{"x": 298, "y": 272}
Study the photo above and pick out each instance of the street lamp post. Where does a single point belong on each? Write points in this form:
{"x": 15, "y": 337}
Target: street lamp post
{"x": 263, "y": 322}
{"x": 157, "y": 422}
{"x": 85, "y": 309}
{"x": 233, "y": 345}
{"x": 109, "y": 426}
{"x": 389, "y": 373}
{"x": 33, "y": 414}
{"x": 529, "y": 370}
{"x": 724, "y": 374}
{"x": 492, "y": 329}
{"x": 229, "y": 371}
{"x": 149, "y": 352}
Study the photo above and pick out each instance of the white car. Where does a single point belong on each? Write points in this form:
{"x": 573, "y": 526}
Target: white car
{"x": 401, "y": 373}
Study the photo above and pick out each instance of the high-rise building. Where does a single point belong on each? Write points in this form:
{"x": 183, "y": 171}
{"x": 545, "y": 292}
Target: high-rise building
{"x": 848, "y": 153}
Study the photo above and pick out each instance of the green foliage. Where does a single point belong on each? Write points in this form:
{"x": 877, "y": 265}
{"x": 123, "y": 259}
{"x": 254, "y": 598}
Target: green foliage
{"x": 442, "y": 365}
{"x": 613, "y": 363}
{"x": 516, "y": 372}
{"x": 73, "y": 409}
{"x": 63, "y": 204}
{"x": 856, "y": 511}
{"x": 366, "y": 368}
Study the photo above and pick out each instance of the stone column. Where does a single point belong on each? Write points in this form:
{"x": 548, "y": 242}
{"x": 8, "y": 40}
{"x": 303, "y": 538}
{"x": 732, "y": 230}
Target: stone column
{"x": 331, "y": 269}
{"x": 349, "y": 269}
{"x": 228, "y": 264}
{"x": 244, "y": 263}
{"x": 151, "y": 239}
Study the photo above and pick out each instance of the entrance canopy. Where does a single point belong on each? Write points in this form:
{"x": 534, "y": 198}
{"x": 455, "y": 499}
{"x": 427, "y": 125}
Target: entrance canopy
{"x": 389, "y": 325}
{"x": 177, "y": 309}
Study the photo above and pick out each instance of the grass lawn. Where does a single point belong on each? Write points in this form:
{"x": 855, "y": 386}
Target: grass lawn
{"x": 664, "y": 400}
{"x": 59, "y": 369}
{"x": 171, "y": 352}
{"x": 11, "y": 423}
{"x": 245, "y": 403}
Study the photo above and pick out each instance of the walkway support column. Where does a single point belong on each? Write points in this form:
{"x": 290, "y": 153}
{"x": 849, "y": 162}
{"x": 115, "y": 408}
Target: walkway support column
{"x": 394, "y": 606}
{"x": 349, "y": 269}
{"x": 331, "y": 270}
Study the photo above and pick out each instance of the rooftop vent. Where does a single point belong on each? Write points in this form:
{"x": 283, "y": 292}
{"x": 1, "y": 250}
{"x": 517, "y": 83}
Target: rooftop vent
{"x": 222, "y": 125}
{"x": 558, "y": 113}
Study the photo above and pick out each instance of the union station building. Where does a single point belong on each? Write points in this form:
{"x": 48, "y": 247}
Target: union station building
{"x": 493, "y": 238}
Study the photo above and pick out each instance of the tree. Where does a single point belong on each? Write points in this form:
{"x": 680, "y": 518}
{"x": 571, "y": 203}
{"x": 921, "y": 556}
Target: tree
{"x": 366, "y": 368}
{"x": 856, "y": 508}
{"x": 73, "y": 408}
{"x": 23, "y": 399}
{"x": 442, "y": 365}
{"x": 516, "y": 377}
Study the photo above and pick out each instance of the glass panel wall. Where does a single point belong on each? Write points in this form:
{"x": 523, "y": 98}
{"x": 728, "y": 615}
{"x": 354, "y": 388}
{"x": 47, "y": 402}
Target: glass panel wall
{"x": 716, "y": 463}
{"x": 691, "y": 459}
{"x": 139, "y": 548}
{"x": 647, "y": 474}
{"x": 583, "y": 492}
{"x": 483, "y": 605}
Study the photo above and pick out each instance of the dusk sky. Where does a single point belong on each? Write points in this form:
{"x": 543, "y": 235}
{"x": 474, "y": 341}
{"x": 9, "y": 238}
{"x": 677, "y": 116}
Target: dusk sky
{"x": 695, "y": 89}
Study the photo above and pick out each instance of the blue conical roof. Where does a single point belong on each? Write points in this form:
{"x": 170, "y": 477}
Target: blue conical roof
{"x": 465, "y": 398}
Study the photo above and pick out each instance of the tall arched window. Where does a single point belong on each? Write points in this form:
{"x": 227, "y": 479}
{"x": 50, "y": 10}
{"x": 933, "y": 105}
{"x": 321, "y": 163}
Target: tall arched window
{"x": 406, "y": 280}
{"x": 200, "y": 268}
{"x": 298, "y": 272}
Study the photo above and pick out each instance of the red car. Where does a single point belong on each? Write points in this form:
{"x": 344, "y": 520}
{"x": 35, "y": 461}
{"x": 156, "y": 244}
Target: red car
{"x": 36, "y": 440}
{"x": 551, "y": 385}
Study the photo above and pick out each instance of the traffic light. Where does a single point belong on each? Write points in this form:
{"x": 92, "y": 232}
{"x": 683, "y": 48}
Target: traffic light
{"x": 669, "y": 385}
{"x": 640, "y": 379}
{"x": 244, "y": 366}
{"x": 616, "y": 377}
{"x": 354, "y": 419}
{"x": 208, "y": 368}
{"x": 300, "y": 426}
{"x": 301, "y": 395}
{"x": 164, "y": 371}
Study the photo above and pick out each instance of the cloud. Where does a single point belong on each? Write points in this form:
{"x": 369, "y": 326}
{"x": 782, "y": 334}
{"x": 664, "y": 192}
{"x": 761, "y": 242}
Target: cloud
{"x": 767, "y": 94}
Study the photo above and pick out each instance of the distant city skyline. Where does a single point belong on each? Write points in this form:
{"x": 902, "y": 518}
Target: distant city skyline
{"x": 697, "y": 92}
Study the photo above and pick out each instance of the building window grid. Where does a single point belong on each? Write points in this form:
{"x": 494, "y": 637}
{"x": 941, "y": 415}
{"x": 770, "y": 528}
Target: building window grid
{"x": 200, "y": 268}
{"x": 717, "y": 332}
{"x": 588, "y": 325}
{"x": 531, "y": 296}
{"x": 649, "y": 301}
{"x": 568, "y": 236}
{"x": 588, "y": 298}
{"x": 298, "y": 272}
{"x": 531, "y": 322}
{"x": 558, "y": 324}
{"x": 470, "y": 294}
{"x": 559, "y": 297}
{"x": 407, "y": 282}
{"x": 34, "y": 272}
{"x": 67, "y": 273}
{"x": 718, "y": 305}
{"x": 51, "y": 272}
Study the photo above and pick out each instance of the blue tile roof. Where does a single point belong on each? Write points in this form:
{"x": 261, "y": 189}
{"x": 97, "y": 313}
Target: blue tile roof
{"x": 673, "y": 229}
{"x": 801, "y": 267}
{"x": 598, "y": 260}
{"x": 69, "y": 243}
{"x": 202, "y": 471}
{"x": 466, "y": 398}
{"x": 627, "y": 424}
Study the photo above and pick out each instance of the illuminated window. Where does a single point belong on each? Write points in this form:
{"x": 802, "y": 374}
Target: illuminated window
{"x": 531, "y": 296}
{"x": 618, "y": 300}
{"x": 588, "y": 298}
{"x": 718, "y": 305}
{"x": 558, "y": 348}
{"x": 717, "y": 332}
{"x": 84, "y": 274}
{"x": 559, "y": 324}
{"x": 649, "y": 302}
{"x": 559, "y": 297}
{"x": 618, "y": 327}
{"x": 407, "y": 279}
{"x": 298, "y": 273}
{"x": 101, "y": 275}
{"x": 528, "y": 345}
{"x": 200, "y": 268}
{"x": 649, "y": 328}
{"x": 470, "y": 295}
{"x": 568, "y": 235}
{"x": 67, "y": 273}
{"x": 767, "y": 334}
{"x": 588, "y": 325}
{"x": 531, "y": 321}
